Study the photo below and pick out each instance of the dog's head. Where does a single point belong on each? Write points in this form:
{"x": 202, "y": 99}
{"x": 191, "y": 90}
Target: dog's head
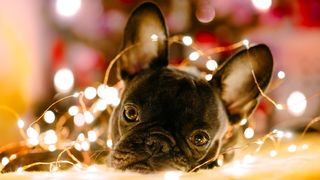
{"x": 169, "y": 119}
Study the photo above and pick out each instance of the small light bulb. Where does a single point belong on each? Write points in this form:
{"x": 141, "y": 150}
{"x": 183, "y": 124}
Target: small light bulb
{"x": 19, "y": 170}
{"x": 243, "y": 121}
{"x": 187, "y": 40}
{"x": 50, "y": 137}
{"x": 297, "y": 103}
{"x": 73, "y": 110}
{"x": 68, "y": 8}
{"x": 20, "y": 123}
{"x": 154, "y": 37}
{"x": 109, "y": 143}
{"x": 49, "y": 117}
{"x": 262, "y": 5}
{"x": 79, "y": 120}
{"x": 89, "y": 118}
{"x": 64, "y": 80}
{"x": 281, "y": 75}
{"x": 92, "y": 136}
{"x": 90, "y": 93}
{"x": 208, "y": 77}
{"x": 292, "y": 148}
{"x": 85, "y": 145}
{"x": 194, "y": 56}
{"x": 32, "y": 133}
{"x": 81, "y": 137}
{"x": 279, "y": 106}
{"x": 248, "y": 133}
{"x": 52, "y": 148}
{"x": 246, "y": 43}
{"x": 5, "y": 161}
{"x": 212, "y": 64}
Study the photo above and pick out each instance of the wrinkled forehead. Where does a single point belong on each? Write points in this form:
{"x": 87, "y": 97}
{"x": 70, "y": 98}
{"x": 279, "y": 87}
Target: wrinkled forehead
{"x": 173, "y": 92}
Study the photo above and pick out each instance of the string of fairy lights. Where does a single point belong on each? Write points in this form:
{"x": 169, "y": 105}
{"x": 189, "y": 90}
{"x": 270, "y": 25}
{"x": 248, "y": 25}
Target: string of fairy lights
{"x": 105, "y": 97}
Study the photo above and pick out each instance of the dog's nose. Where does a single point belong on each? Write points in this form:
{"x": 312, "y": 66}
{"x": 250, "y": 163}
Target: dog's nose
{"x": 160, "y": 142}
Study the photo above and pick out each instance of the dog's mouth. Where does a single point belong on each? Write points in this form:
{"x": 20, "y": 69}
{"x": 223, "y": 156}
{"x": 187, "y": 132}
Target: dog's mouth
{"x": 139, "y": 162}
{"x": 131, "y": 162}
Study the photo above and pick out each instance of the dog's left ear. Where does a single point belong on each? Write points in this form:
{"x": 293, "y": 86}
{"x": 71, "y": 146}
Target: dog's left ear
{"x": 236, "y": 82}
{"x": 145, "y": 41}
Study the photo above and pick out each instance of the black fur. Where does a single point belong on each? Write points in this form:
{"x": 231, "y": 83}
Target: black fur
{"x": 173, "y": 106}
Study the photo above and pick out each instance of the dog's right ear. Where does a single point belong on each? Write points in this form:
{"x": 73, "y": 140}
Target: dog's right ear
{"x": 145, "y": 41}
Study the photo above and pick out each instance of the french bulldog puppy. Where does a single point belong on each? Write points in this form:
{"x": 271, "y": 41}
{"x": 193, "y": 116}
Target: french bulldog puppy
{"x": 169, "y": 119}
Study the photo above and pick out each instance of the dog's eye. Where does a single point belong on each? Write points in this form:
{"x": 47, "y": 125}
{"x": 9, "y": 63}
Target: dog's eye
{"x": 131, "y": 113}
{"x": 199, "y": 138}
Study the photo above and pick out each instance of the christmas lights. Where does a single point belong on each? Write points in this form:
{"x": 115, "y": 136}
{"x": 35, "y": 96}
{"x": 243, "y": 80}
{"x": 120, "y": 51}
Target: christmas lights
{"x": 84, "y": 115}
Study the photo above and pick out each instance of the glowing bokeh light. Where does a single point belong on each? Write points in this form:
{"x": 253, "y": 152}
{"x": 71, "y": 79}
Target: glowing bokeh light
{"x": 63, "y": 80}
{"x": 208, "y": 77}
{"x": 297, "y": 103}
{"x": 79, "y": 120}
{"x": 262, "y": 5}
{"x": 5, "y": 161}
{"x": 212, "y": 65}
{"x": 292, "y": 148}
{"x": 248, "y": 133}
{"x": 154, "y": 37}
{"x": 194, "y": 56}
{"x": 88, "y": 117}
{"x": 68, "y": 8}
{"x": 49, "y": 117}
{"x": 246, "y": 43}
{"x": 187, "y": 40}
{"x": 281, "y": 75}
{"x": 73, "y": 110}
{"x": 90, "y": 93}
{"x": 20, "y": 123}
{"x": 50, "y": 137}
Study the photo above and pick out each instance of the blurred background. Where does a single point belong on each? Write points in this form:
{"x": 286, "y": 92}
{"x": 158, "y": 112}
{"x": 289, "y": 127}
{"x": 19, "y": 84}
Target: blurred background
{"x": 52, "y": 48}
